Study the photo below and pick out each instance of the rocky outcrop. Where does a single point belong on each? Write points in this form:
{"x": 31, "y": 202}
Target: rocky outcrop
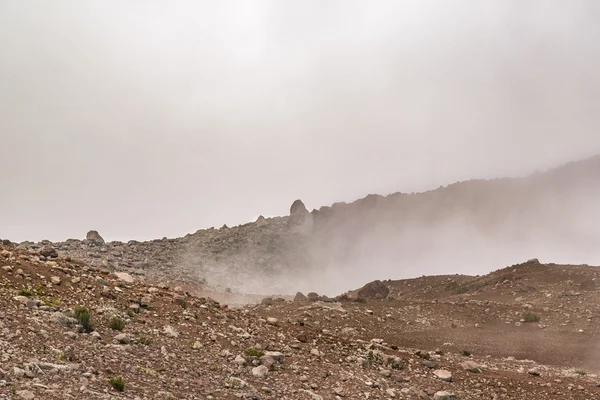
{"x": 94, "y": 237}
{"x": 298, "y": 208}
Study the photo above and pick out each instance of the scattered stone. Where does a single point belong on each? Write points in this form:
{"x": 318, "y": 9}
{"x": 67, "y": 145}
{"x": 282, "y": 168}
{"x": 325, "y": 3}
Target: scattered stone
{"x": 260, "y": 371}
{"x": 94, "y": 237}
{"x": 445, "y": 396}
{"x": 55, "y": 280}
{"x": 471, "y": 366}
{"x": 170, "y": 331}
{"x": 272, "y": 321}
{"x": 443, "y": 375}
{"x": 25, "y": 394}
{"x": 125, "y": 277}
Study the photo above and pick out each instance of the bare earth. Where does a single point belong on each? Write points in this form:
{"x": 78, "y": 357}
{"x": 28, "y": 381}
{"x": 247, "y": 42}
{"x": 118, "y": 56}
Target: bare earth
{"x": 178, "y": 346}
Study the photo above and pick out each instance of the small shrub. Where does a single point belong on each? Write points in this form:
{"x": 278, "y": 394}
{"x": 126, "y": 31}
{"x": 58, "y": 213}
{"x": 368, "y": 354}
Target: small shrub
{"x": 361, "y": 300}
{"x": 465, "y": 353}
{"x": 40, "y": 290}
{"x": 25, "y": 293}
{"x": 461, "y": 290}
{"x": 130, "y": 313}
{"x": 252, "y": 352}
{"x": 580, "y": 372}
{"x": 117, "y": 383}
{"x": 531, "y": 317}
{"x": 453, "y": 326}
{"x": 145, "y": 340}
{"x": 394, "y": 347}
{"x": 116, "y": 323}
{"x": 83, "y": 316}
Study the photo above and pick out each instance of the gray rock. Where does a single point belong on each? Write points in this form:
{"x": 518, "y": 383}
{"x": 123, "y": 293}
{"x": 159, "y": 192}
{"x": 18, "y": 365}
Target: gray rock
{"x": 48, "y": 251}
{"x": 300, "y": 297}
{"x": 25, "y": 394}
{"x": 94, "y": 236}
{"x": 298, "y": 208}
{"x": 122, "y": 338}
{"x": 373, "y": 290}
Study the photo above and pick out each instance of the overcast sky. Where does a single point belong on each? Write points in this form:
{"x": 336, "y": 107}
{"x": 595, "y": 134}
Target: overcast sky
{"x": 144, "y": 119}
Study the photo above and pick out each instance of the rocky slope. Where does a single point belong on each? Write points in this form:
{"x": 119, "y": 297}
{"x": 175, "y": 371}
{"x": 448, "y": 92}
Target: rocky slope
{"x": 73, "y": 331}
{"x": 462, "y": 226}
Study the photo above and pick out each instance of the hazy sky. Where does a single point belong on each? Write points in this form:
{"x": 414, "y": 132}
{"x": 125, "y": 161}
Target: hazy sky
{"x": 144, "y": 119}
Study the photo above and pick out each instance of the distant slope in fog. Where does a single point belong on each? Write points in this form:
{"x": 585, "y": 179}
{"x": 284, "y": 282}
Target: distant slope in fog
{"x": 467, "y": 227}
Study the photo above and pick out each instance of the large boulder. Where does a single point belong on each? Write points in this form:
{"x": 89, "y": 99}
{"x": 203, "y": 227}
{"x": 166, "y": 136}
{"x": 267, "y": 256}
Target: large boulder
{"x": 300, "y": 297}
{"x": 48, "y": 251}
{"x": 94, "y": 237}
{"x": 298, "y": 208}
{"x": 373, "y": 290}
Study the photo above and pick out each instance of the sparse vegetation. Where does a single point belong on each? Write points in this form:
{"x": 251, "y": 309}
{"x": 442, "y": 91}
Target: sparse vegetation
{"x": 253, "y": 352}
{"x": 116, "y": 323}
{"x": 25, "y": 292}
{"x": 453, "y": 326}
{"x": 580, "y": 372}
{"x": 394, "y": 347}
{"x": 465, "y": 353}
{"x": 130, "y": 313}
{"x": 145, "y": 340}
{"x": 40, "y": 290}
{"x": 456, "y": 288}
{"x": 82, "y": 315}
{"x": 531, "y": 317}
{"x": 118, "y": 383}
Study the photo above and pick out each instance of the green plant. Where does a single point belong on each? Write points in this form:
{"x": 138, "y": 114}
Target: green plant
{"x": 130, "y": 313}
{"x": 25, "y": 292}
{"x": 461, "y": 290}
{"x": 118, "y": 383}
{"x": 465, "y": 353}
{"x": 145, "y": 340}
{"x": 83, "y": 316}
{"x": 394, "y": 347}
{"x": 116, "y": 323}
{"x": 453, "y": 326}
{"x": 252, "y": 352}
{"x": 529, "y": 316}
{"x": 40, "y": 290}
{"x": 361, "y": 300}
{"x": 580, "y": 372}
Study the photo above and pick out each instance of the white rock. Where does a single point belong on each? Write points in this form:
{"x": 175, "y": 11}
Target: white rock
{"x": 260, "y": 371}
{"x": 170, "y": 331}
{"x": 443, "y": 375}
{"x": 125, "y": 277}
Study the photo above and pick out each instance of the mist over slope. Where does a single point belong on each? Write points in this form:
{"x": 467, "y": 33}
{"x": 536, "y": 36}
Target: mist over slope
{"x": 468, "y": 227}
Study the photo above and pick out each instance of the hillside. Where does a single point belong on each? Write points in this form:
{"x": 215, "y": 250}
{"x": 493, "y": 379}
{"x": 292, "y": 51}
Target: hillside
{"x": 467, "y": 226}
{"x": 72, "y": 331}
